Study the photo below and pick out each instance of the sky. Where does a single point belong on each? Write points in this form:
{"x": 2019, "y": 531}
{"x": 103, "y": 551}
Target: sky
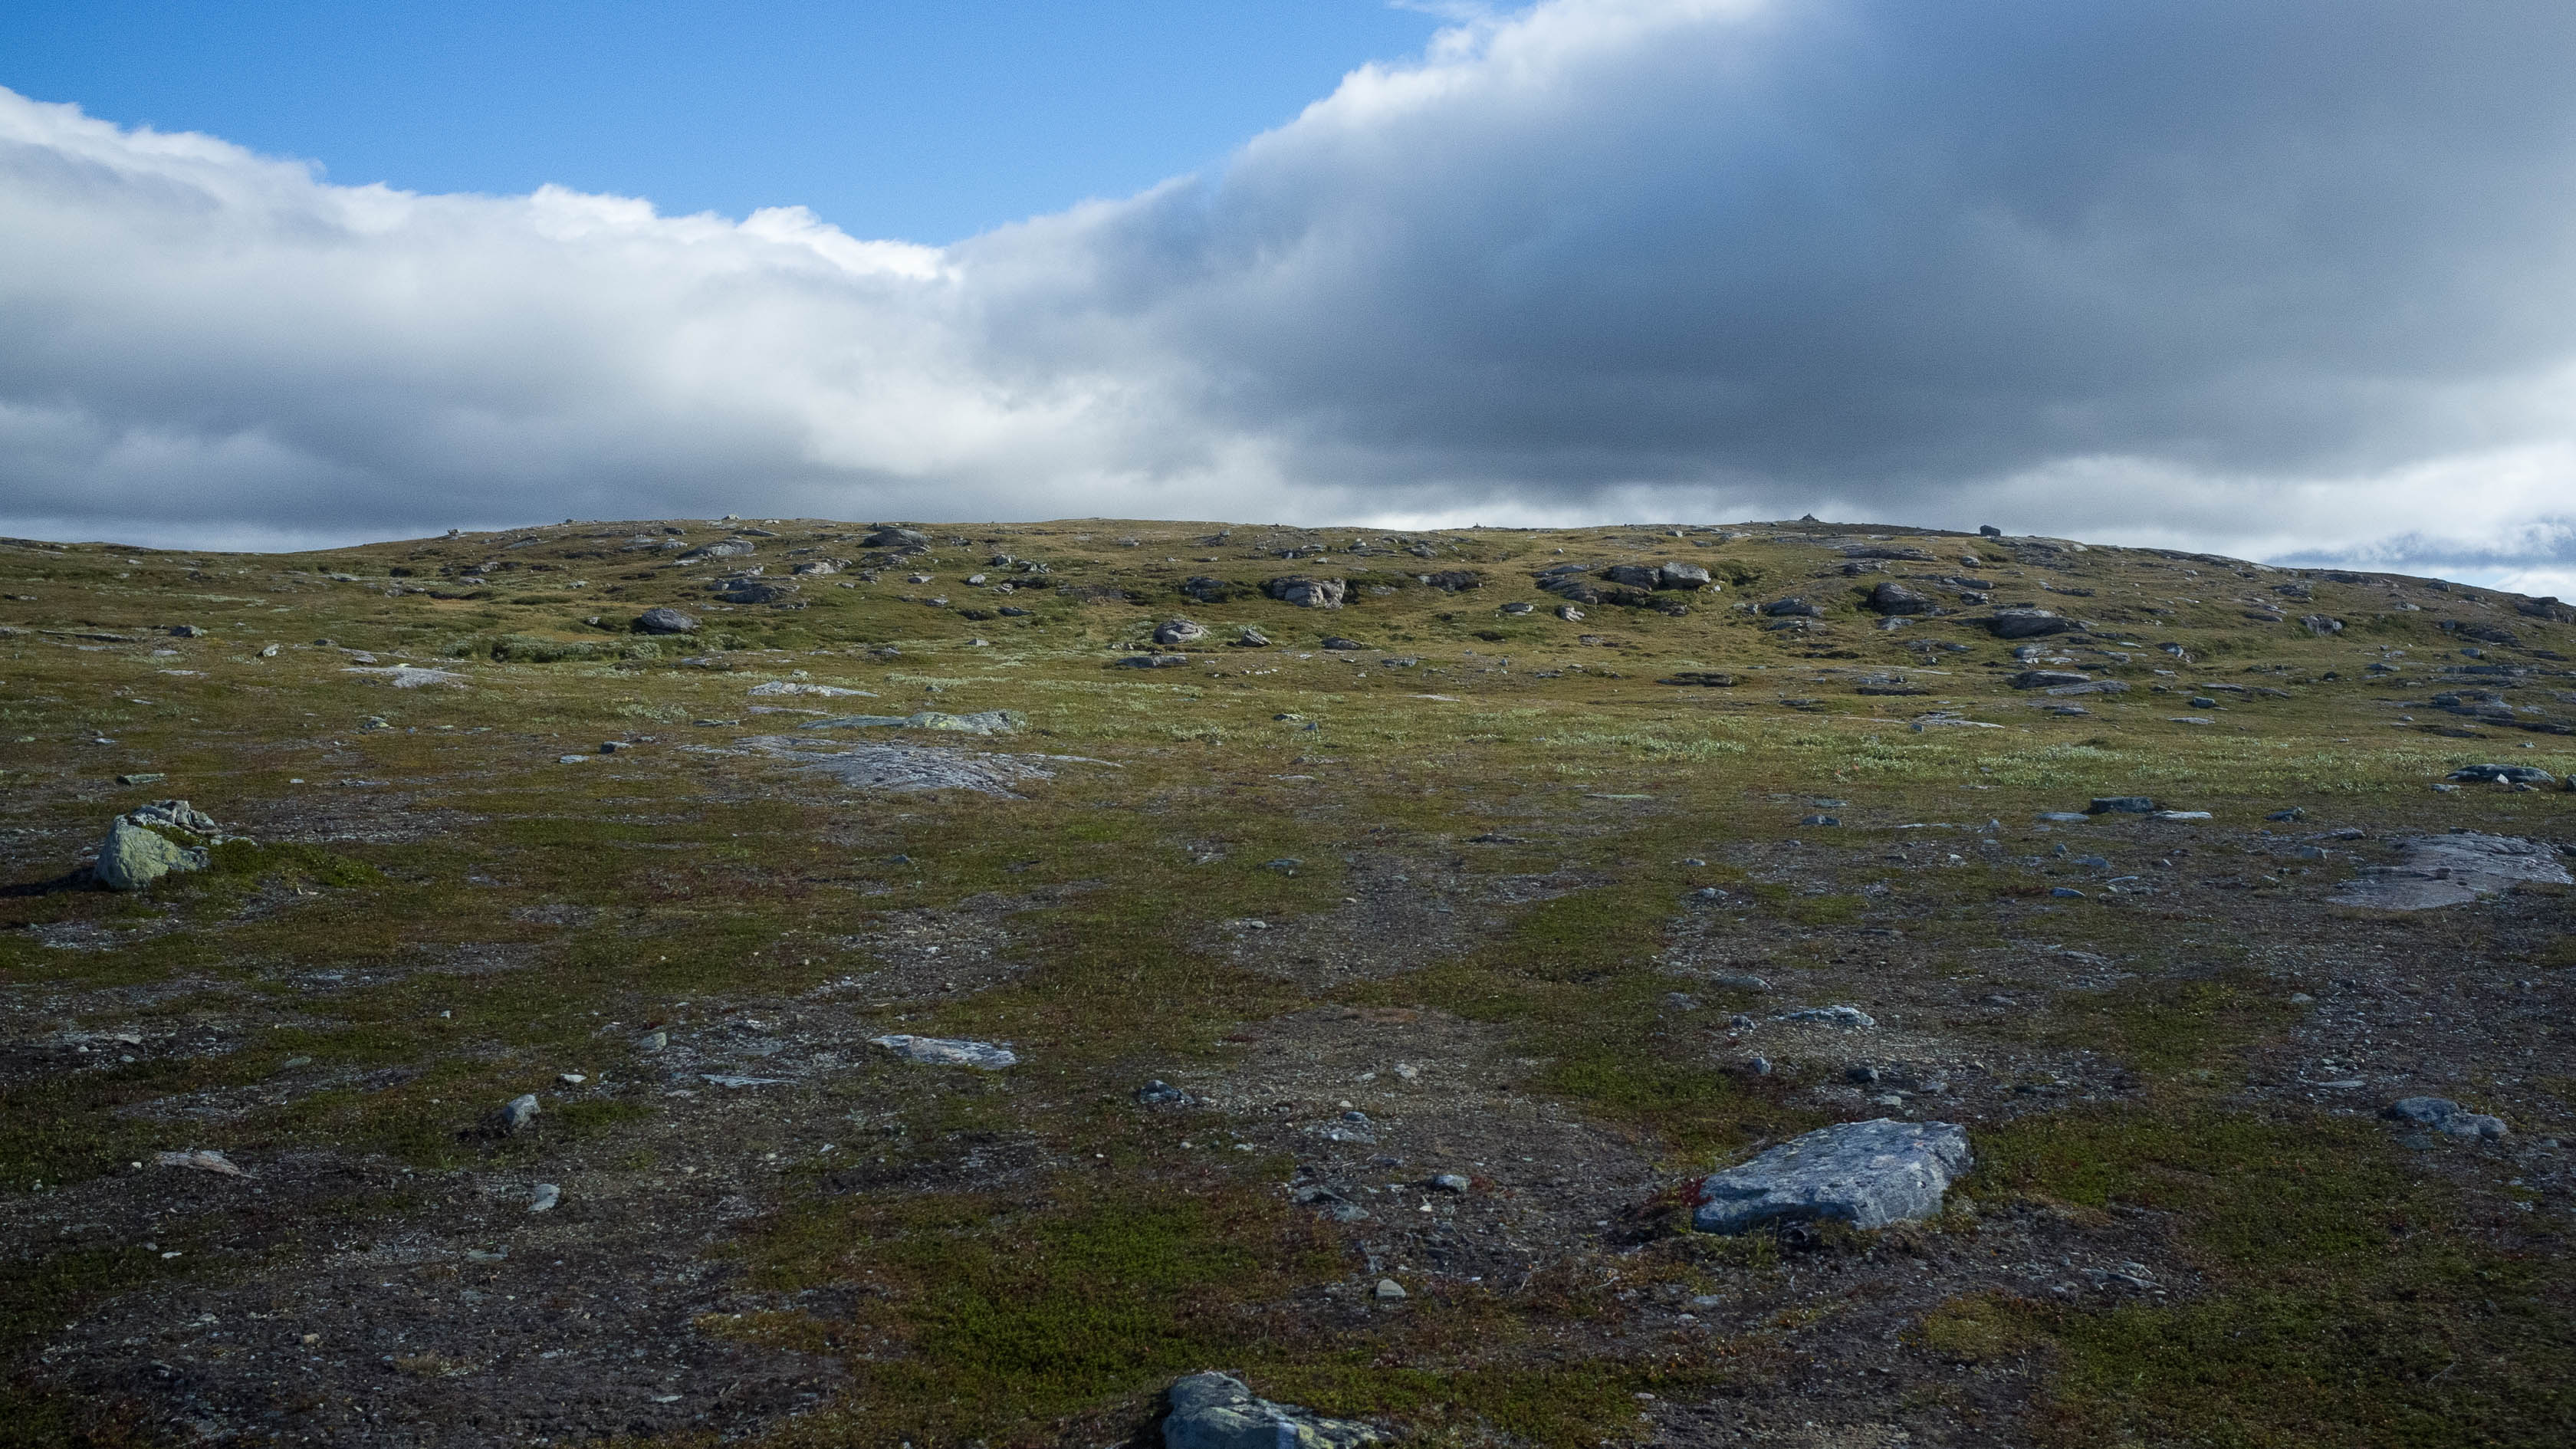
{"x": 2292, "y": 281}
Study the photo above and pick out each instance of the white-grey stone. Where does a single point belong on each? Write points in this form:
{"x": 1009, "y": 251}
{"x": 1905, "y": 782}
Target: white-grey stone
{"x": 518, "y": 1112}
{"x": 544, "y": 1198}
{"x": 1179, "y": 631}
{"x": 2451, "y": 870}
{"x": 798, "y": 686}
{"x": 982, "y": 722}
{"x": 1220, "y": 1411}
{"x": 934, "y": 1051}
{"x": 1869, "y": 1174}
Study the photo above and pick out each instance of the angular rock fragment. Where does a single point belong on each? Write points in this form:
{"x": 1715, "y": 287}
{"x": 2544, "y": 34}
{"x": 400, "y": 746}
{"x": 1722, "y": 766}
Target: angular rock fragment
{"x": 1891, "y": 597}
{"x": 1868, "y": 1174}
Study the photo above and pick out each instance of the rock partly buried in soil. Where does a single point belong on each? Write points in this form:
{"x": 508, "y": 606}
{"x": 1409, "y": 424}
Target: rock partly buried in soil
{"x": 934, "y": 1051}
{"x": 2029, "y": 624}
{"x": 781, "y": 687}
{"x": 982, "y": 722}
{"x": 2452, "y": 870}
{"x": 897, "y": 768}
{"x": 2122, "y": 805}
{"x": 2445, "y": 1116}
{"x": 1844, "y": 1016}
{"x": 2508, "y": 774}
{"x": 516, "y": 1114}
{"x": 665, "y": 621}
{"x": 1868, "y": 1174}
{"x": 1220, "y": 1411}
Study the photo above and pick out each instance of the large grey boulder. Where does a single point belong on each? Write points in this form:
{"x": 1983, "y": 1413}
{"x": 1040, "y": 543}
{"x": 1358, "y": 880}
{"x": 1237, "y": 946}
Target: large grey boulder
{"x": 1891, "y": 597}
{"x": 1179, "y": 631}
{"x": 755, "y": 591}
{"x": 133, "y": 857}
{"x": 2047, "y": 678}
{"x": 665, "y": 621}
{"x": 1307, "y": 593}
{"x": 1220, "y": 1411}
{"x": 730, "y": 548}
{"x": 897, "y": 538}
{"x": 1681, "y": 576}
{"x": 1635, "y": 576}
{"x": 2452, "y": 870}
{"x": 1868, "y": 1174}
{"x": 1792, "y": 609}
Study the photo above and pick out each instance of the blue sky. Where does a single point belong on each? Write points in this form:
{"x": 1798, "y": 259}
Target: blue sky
{"x": 925, "y": 122}
{"x": 2287, "y": 280}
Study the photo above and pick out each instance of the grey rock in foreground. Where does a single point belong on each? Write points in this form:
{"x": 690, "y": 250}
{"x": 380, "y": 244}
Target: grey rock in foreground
{"x": 1220, "y": 1411}
{"x": 2452, "y": 870}
{"x": 1868, "y": 1174}
{"x": 934, "y": 1051}
{"x": 137, "y": 853}
{"x": 665, "y": 621}
{"x": 2445, "y": 1116}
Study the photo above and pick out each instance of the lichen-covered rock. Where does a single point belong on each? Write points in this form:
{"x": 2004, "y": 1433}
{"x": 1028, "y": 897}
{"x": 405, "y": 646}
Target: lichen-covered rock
{"x": 2029, "y": 624}
{"x": 1891, "y": 597}
{"x": 1220, "y": 1411}
{"x": 1682, "y": 576}
{"x": 1868, "y": 1174}
{"x": 1172, "y": 632}
{"x": 137, "y": 852}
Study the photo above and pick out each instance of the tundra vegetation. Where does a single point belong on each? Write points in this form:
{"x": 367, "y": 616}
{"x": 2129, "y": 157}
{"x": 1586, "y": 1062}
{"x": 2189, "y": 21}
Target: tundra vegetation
{"x": 539, "y": 1025}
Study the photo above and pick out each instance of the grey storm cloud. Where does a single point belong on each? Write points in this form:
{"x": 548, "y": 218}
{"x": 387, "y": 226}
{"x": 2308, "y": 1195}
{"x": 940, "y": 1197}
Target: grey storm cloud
{"x": 2277, "y": 278}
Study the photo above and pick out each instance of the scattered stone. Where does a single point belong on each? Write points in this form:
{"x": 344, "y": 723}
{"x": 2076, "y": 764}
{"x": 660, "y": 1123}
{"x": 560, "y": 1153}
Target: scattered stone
{"x": 145, "y": 778}
{"x": 517, "y": 1113}
{"x": 1792, "y": 609}
{"x": 1820, "y": 820}
{"x": 1285, "y": 865}
{"x": 2445, "y": 1116}
{"x": 202, "y": 1159}
{"x": 1388, "y": 1290}
{"x": 2451, "y": 870}
{"x": 1686, "y": 576}
{"x": 758, "y": 591}
{"x": 2190, "y": 719}
{"x": 1452, "y": 1182}
{"x": 1869, "y": 1174}
{"x": 1340, "y": 645}
{"x": 1218, "y": 1411}
{"x": 932, "y": 1051}
{"x": 720, "y": 1079}
{"x": 2122, "y": 805}
{"x": 2064, "y": 817}
{"x": 1517, "y": 607}
{"x": 902, "y": 539}
{"x": 137, "y": 853}
{"x": 1176, "y": 632}
{"x": 2293, "y": 814}
{"x": 665, "y": 621}
{"x": 1159, "y": 1093}
{"x": 187, "y": 631}
{"x": 1850, "y": 1017}
{"x": 728, "y": 548}
{"x": 653, "y": 1041}
{"x": 544, "y": 1197}
{"x": 783, "y": 687}
{"x": 2047, "y": 678}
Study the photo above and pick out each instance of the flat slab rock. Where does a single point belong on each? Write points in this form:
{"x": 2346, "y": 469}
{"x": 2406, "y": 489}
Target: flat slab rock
{"x": 2445, "y": 1116}
{"x": 898, "y": 768}
{"x": 2452, "y": 870}
{"x": 1220, "y": 1411}
{"x": 937, "y": 1051}
{"x": 1868, "y": 1174}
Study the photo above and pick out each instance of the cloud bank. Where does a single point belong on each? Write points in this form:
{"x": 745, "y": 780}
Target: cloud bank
{"x": 2289, "y": 279}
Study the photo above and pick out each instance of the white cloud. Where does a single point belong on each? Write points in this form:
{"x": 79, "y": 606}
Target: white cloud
{"x": 2281, "y": 279}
